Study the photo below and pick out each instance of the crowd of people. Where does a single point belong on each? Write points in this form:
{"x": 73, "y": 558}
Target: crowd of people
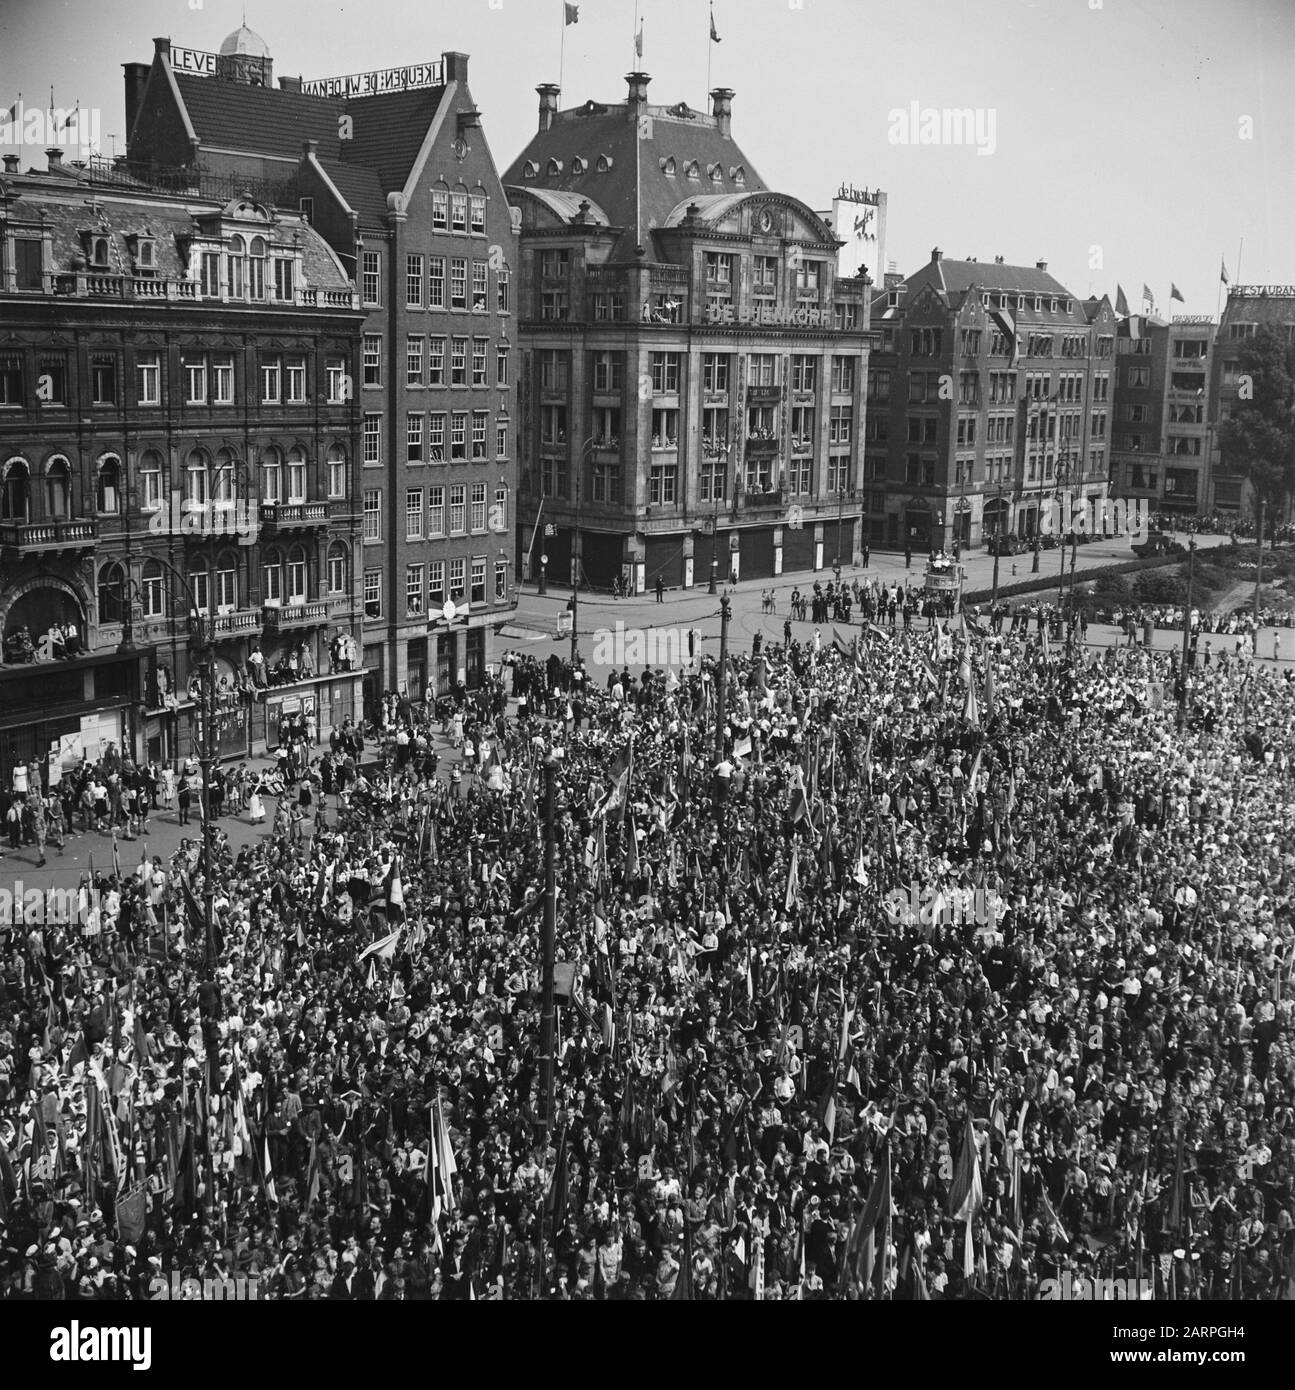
{"x": 791, "y": 1062}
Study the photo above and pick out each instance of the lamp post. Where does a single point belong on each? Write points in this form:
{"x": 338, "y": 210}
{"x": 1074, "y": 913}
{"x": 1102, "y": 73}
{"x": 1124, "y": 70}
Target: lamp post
{"x": 548, "y": 952}
{"x": 998, "y": 546}
{"x": 1187, "y": 632}
{"x": 721, "y": 690}
{"x": 718, "y": 453}
{"x": 585, "y": 450}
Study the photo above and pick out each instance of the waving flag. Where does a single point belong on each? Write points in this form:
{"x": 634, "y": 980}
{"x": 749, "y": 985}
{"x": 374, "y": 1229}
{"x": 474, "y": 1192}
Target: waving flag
{"x": 861, "y": 1251}
{"x": 1176, "y": 293}
{"x": 714, "y": 33}
{"x": 1223, "y": 272}
{"x": 793, "y": 880}
{"x": 572, "y": 13}
{"x": 967, "y": 1193}
{"x": 383, "y": 949}
{"x": 1121, "y": 302}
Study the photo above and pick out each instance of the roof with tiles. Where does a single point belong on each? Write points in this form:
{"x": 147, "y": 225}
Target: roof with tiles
{"x": 954, "y": 279}
{"x": 595, "y": 151}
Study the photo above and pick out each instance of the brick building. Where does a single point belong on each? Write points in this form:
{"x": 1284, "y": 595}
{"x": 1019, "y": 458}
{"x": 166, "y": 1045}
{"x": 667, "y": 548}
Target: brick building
{"x": 692, "y": 367}
{"x": 394, "y": 171}
{"x": 989, "y": 394}
{"x": 172, "y": 399}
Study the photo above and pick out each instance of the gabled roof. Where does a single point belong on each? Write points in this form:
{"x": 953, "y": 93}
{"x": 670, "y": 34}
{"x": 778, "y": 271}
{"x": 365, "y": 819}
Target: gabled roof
{"x": 388, "y": 132}
{"x": 361, "y": 188}
{"x": 598, "y": 154}
{"x": 953, "y": 280}
{"x": 263, "y": 120}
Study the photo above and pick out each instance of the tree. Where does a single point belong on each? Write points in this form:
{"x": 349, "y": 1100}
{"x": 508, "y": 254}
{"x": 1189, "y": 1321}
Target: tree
{"x": 1258, "y": 438}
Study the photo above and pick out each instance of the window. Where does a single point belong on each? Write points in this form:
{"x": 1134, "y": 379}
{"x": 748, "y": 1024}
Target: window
{"x": 878, "y": 384}
{"x": 306, "y": 206}
{"x": 923, "y": 429}
{"x": 111, "y": 593}
{"x": 842, "y": 374}
{"x": 296, "y": 476}
{"x": 841, "y": 424}
{"x": 1137, "y": 377}
{"x": 371, "y": 277}
{"x": 555, "y": 265}
{"x": 199, "y": 589}
{"x": 761, "y": 422}
{"x": 477, "y": 209}
{"x": 414, "y": 437}
{"x": 10, "y": 379}
{"x": 271, "y": 380}
{"x": 337, "y": 471}
{"x": 103, "y": 379}
{"x": 803, "y": 372}
{"x": 553, "y": 371}
{"x": 435, "y": 511}
{"x": 555, "y": 306}
{"x": 458, "y": 212}
{"x": 150, "y": 481}
{"x": 758, "y": 474}
{"x": 234, "y": 267}
{"x": 501, "y": 581}
{"x": 58, "y": 488}
{"x": 414, "y": 514}
{"x": 435, "y": 585}
{"x": 480, "y": 425}
{"x": 271, "y": 477}
{"x": 458, "y": 361}
{"x": 458, "y": 509}
{"x": 762, "y": 369}
{"x": 501, "y": 439}
{"x": 371, "y": 359}
{"x": 608, "y": 371}
{"x": 480, "y": 287}
{"x": 499, "y": 511}
{"x": 15, "y": 495}
{"x": 665, "y": 429}
{"x": 969, "y": 388}
{"x": 414, "y": 282}
{"x": 477, "y": 594}
{"x": 436, "y": 282}
{"x": 372, "y": 438}
{"x": 373, "y": 593}
{"x": 765, "y": 275}
{"x": 458, "y": 570}
{"x": 458, "y": 283}
{"x": 283, "y": 279}
{"x": 478, "y": 515}
{"x": 372, "y": 514}
{"x": 151, "y": 586}
{"x": 479, "y": 346}
{"x": 295, "y": 376}
{"x": 440, "y": 210}
{"x": 503, "y": 298}
{"x": 662, "y": 483}
{"x": 665, "y": 373}
{"x": 195, "y": 380}
{"x": 501, "y": 366}
{"x": 337, "y": 568}
{"x": 27, "y": 264}
{"x": 415, "y": 578}
{"x": 413, "y": 360}
{"x": 715, "y": 372}
{"x": 553, "y": 424}
{"x": 435, "y": 360}
{"x": 296, "y": 576}
{"x": 966, "y": 429}
{"x": 609, "y": 306}
{"x": 807, "y": 279}
{"x": 607, "y": 426}
{"x": 256, "y": 268}
{"x": 970, "y": 342}
{"x": 719, "y": 271}
{"x": 436, "y": 437}
{"x": 196, "y": 479}
{"x": 458, "y": 435}
{"x": 335, "y": 372}
{"x": 554, "y": 478}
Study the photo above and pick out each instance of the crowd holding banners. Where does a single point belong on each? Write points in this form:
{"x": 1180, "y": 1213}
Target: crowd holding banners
{"x": 775, "y": 1078}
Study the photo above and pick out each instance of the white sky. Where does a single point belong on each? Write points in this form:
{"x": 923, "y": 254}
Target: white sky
{"x": 1117, "y": 122}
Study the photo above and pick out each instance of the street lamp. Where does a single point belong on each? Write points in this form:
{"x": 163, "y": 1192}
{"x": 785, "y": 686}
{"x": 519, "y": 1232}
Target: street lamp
{"x": 585, "y": 450}
{"x": 718, "y": 454}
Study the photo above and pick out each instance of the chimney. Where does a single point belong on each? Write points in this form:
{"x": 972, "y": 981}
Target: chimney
{"x": 290, "y": 84}
{"x": 1040, "y": 265}
{"x": 163, "y": 47}
{"x": 549, "y": 93}
{"x": 55, "y": 158}
{"x": 456, "y": 67}
{"x": 136, "y": 75}
{"x": 638, "y": 85}
{"x": 936, "y": 256}
{"x": 721, "y": 107}
{"x": 308, "y": 147}
{"x": 998, "y": 260}
{"x": 11, "y": 164}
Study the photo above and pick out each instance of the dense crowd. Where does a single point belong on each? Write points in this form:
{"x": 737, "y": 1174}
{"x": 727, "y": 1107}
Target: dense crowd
{"x": 788, "y": 1040}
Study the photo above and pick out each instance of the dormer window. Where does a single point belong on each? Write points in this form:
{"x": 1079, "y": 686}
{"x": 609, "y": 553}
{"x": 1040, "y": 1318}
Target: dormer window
{"x": 579, "y": 165}
{"x": 145, "y": 255}
{"x": 692, "y": 169}
{"x": 99, "y": 251}
{"x": 716, "y": 173}
{"x": 554, "y": 168}
{"x": 604, "y": 163}
{"x": 668, "y": 167}
{"x": 1070, "y": 306}
{"x": 530, "y": 169}
{"x": 1053, "y": 306}
{"x": 738, "y": 175}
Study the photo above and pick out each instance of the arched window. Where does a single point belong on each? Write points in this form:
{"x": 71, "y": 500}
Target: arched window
{"x": 236, "y": 277}
{"x": 256, "y": 268}
{"x": 108, "y": 484}
{"x": 530, "y": 169}
{"x": 200, "y": 586}
{"x": 296, "y": 475}
{"x": 151, "y": 589}
{"x": 150, "y": 480}
{"x": 112, "y": 593}
{"x": 99, "y": 249}
{"x": 58, "y": 489}
{"x": 337, "y": 568}
{"x": 272, "y": 476}
{"x": 224, "y": 478}
{"x": 15, "y": 491}
{"x": 297, "y": 575}
{"x": 226, "y": 582}
{"x": 338, "y": 471}
{"x": 197, "y": 479}
{"x": 272, "y": 577}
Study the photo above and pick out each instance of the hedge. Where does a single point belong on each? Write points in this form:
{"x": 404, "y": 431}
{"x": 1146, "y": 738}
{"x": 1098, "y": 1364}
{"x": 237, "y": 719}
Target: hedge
{"x": 1040, "y": 584}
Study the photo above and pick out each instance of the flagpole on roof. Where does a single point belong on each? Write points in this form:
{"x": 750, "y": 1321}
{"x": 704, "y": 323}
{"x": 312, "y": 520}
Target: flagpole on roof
{"x": 562, "y": 47}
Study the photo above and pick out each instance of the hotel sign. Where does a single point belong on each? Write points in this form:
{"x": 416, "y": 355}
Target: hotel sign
{"x": 368, "y": 84}
{"x": 1262, "y": 292}
{"x": 767, "y": 314}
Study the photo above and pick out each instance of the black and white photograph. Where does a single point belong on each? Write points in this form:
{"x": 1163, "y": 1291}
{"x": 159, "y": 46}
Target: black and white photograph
{"x": 647, "y": 654}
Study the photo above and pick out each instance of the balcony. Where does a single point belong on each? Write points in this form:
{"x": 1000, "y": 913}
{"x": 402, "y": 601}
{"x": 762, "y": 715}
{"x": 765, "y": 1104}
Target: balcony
{"x": 757, "y": 447}
{"x": 237, "y": 622}
{"x": 764, "y": 395}
{"x": 294, "y": 616}
{"x": 760, "y": 501}
{"x": 293, "y": 516}
{"x": 47, "y": 537}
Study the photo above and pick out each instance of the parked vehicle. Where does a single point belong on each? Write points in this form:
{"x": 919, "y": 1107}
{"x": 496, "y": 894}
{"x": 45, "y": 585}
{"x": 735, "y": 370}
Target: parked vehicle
{"x": 1157, "y": 543}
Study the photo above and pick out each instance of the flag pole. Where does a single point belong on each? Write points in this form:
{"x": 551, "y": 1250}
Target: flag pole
{"x": 710, "y": 45}
{"x": 562, "y": 52}
{"x": 1240, "y": 247}
{"x": 634, "y": 46}
{"x": 1218, "y": 297}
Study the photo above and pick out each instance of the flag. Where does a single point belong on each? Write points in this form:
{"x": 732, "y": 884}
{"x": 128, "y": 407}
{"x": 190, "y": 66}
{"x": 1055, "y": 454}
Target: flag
{"x": 395, "y": 893}
{"x": 1176, "y": 293}
{"x": 714, "y": 33}
{"x": 613, "y": 803}
{"x": 793, "y": 880}
{"x": 967, "y": 1194}
{"x": 12, "y": 113}
{"x": 989, "y": 685}
{"x": 1223, "y": 272}
{"x": 572, "y": 13}
{"x": 312, "y": 1176}
{"x": 384, "y": 948}
{"x": 861, "y": 1251}
{"x": 971, "y": 709}
{"x": 1121, "y": 301}
{"x": 638, "y": 41}
{"x": 446, "y": 1168}
{"x": 1147, "y": 296}
{"x": 633, "y": 868}
{"x": 757, "y": 1268}
{"x": 268, "y": 1174}
{"x": 556, "y": 1200}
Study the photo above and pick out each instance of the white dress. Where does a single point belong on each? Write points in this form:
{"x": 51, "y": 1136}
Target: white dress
{"x": 255, "y": 808}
